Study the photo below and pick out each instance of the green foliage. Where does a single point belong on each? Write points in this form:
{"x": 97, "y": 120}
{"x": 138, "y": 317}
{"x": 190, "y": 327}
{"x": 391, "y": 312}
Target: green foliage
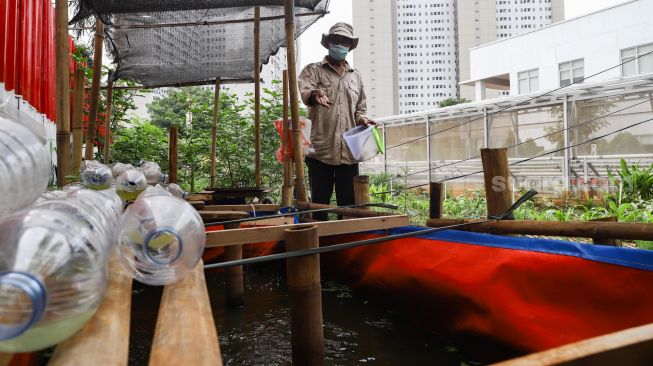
{"x": 635, "y": 184}
{"x": 142, "y": 141}
{"x": 452, "y": 101}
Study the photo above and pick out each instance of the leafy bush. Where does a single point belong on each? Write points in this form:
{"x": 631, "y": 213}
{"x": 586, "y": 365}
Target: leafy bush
{"x": 635, "y": 184}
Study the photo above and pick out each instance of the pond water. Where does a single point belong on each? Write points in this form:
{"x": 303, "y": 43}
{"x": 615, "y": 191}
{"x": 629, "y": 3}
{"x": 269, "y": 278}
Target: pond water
{"x": 358, "y": 329}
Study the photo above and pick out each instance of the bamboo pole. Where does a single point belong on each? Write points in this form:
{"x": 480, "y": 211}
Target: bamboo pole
{"x": 104, "y": 340}
{"x": 95, "y": 90}
{"x": 172, "y": 155}
{"x": 497, "y": 174}
{"x": 436, "y": 200}
{"x": 286, "y": 189}
{"x": 235, "y": 284}
{"x": 307, "y": 335}
{"x": 350, "y": 212}
{"x": 606, "y": 241}
{"x": 300, "y": 185}
{"x": 214, "y": 130}
{"x": 257, "y": 94}
{"x": 185, "y": 329}
{"x": 576, "y": 229}
{"x": 107, "y": 131}
{"x": 63, "y": 91}
{"x": 78, "y": 120}
{"x": 362, "y": 191}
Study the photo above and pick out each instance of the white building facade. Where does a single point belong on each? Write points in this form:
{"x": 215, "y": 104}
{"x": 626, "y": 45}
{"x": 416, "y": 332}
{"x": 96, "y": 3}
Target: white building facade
{"x": 568, "y": 52}
{"x": 426, "y": 47}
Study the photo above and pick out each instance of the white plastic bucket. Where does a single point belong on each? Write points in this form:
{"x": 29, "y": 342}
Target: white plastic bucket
{"x": 361, "y": 142}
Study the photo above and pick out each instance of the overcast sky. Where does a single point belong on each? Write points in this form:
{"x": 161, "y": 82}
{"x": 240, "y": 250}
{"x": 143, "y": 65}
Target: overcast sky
{"x": 340, "y": 10}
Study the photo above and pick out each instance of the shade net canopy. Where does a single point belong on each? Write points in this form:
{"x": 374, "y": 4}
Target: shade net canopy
{"x": 179, "y": 42}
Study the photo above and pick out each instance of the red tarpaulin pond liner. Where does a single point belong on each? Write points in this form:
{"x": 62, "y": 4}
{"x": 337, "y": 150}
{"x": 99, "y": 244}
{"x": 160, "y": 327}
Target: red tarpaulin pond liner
{"x": 527, "y": 294}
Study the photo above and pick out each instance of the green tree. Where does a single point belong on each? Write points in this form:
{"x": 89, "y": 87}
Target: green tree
{"x": 452, "y": 101}
{"x": 585, "y": 123}
{"x": 142, "y": 141}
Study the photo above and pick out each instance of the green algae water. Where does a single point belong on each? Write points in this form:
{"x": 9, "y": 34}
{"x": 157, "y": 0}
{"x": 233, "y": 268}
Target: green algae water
{"x": 49, "y": 334}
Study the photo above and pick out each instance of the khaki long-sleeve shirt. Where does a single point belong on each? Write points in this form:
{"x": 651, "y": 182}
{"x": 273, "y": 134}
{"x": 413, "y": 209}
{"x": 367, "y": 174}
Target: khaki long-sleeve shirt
{"x": 329, "y": 124}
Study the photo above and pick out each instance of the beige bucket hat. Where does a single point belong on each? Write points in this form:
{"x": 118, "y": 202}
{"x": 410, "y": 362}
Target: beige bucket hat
{"x": 341, "y": 29}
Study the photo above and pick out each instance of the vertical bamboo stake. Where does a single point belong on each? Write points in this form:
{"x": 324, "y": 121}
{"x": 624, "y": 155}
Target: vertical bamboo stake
{"x": 286, "y": 190}
{"x": 235, "y": 284}
{"x": 300, "y": 185}
{"x": 214, "y": 130}
{"x": 362, "y": 191}
{"x": 63, "y": 91}
{"x": 109, "y": 109}
{"x": 436, "y": 200}
{"x": 257, "y": 93}
{"x": 497, "y": 174}
{"x": 307, "y": 335}
{"x": 78, "y": 120}
{"x": 172, "y": 155}
{"x": 95, "y": 90}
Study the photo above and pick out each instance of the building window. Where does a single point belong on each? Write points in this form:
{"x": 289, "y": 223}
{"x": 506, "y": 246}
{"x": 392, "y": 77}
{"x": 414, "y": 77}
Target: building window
{"x": 529, "y": 81}
{"x": 637, "y": 60}
{"x": 571, "y": 72}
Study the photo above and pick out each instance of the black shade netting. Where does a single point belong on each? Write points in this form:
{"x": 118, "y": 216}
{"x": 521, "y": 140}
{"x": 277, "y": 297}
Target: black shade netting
{"x": 197, "y": 52}
{"x": 87, "y": 8}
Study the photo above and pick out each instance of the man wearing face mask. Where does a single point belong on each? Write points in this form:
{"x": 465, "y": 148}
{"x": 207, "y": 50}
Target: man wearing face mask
{"x": 333, "y": 92}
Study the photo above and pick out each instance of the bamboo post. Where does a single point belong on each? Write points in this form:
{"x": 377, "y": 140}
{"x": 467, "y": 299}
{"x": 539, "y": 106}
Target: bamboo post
{"x": 257, "y": 94}
{"x": 599, "y": 240}
{"x": 63, "y": 91}
{"x": 303, "y": 274}
{"x": 5, "y": 359}
{"x": 362, "y": 191}
{"x": 172, "y": 155}
{"x": 78, "y": 120}
{"x": 300, "y": 185}
{"x": 350, "y": 212}
{"x": 436, "y": 200}
{"x": 104, "y": 340}
{"x": 185, "y": 329}
{"x": 95, "y": 90}
{"x": 235, "y": 283}
{"x": 497, "y": 174}
{"x": 109, "y": 109}
{"x": 214, "y": 130}
{"x": 286, "y": 189}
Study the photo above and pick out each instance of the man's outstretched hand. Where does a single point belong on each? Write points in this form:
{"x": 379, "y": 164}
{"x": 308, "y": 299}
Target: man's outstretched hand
{"x": 322, "y": 99}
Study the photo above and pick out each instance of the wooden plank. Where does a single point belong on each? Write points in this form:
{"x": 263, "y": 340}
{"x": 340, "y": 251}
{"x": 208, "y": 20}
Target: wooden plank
{"x": 246, "y": 208}
{"x": 223, "y": 215}
{"x": 104, "y": 340}
{"x": 202, "y": 196}
{"x": 632, "y": 346}
{"x": 185, "y": 330}
{"x": 577, "y": 229}
{"x": 325, "y": 228}
{"x": 270, "y": 222}
{"x": 350, "y": 212}
{"x": 198, "y": 205}
{"x": 5, "y": 358}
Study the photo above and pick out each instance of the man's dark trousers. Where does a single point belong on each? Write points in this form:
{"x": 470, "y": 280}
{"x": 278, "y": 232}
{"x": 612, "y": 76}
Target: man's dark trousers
{"x": 322, "y": 178}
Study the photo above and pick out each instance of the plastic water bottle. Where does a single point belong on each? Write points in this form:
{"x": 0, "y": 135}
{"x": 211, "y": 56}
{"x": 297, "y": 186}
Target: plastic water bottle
{"x": 160, "y": 239}
{"x": 100, "y": 228}
{"x": 53, "y": 276}
{"x": 108, "y": 209}
{"x": 24, "y": 166}
{"x": 130, "y": 184}
{"x": 157, "y": 190}
{"x": 96, "y": 176}
{"x": 177, "y": 191}
{"x": 120, "y": 168}
{"x": 152, "y": 172}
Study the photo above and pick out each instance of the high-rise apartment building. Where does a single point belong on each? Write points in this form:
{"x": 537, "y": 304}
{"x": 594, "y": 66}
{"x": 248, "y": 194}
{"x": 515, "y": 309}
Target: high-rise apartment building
{"x": 376, "y": 56}
{"x": 431, "y": 40}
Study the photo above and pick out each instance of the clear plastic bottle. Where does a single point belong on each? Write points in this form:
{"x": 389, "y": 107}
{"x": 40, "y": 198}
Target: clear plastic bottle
{"x": 53, "y": 276}
{"x": 130, "y": 184}
{"x": 152, "y": 172}
{"x": 24, "y": 166}
{"x": 107, "y": 208}
{"x": 177, "y": 191}
{"x": 157, "y": 190}
{"x": 120, "y": 168}
{"x": 160, "y": 239}
{"x": 97, "y": 176}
